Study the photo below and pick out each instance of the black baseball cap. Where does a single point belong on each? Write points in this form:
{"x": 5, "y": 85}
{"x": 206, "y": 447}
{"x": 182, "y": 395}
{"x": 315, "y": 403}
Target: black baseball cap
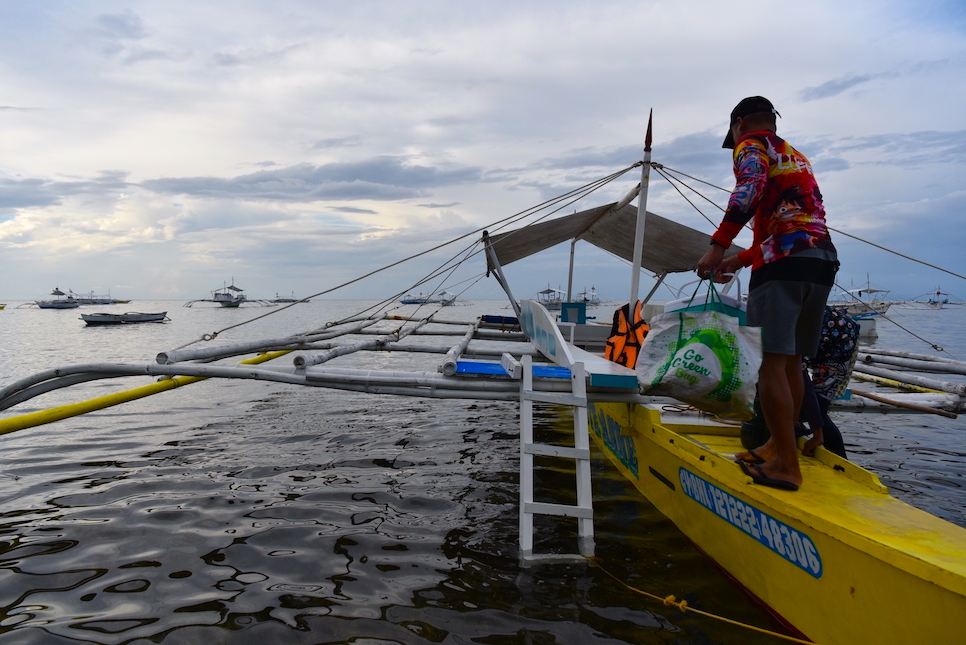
{"x": 747, "y": 106}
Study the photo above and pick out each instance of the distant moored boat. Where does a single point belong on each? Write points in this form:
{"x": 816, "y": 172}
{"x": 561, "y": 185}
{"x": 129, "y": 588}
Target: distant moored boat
{"x": 62, "y": 301}
{"x": 125, "y": 318}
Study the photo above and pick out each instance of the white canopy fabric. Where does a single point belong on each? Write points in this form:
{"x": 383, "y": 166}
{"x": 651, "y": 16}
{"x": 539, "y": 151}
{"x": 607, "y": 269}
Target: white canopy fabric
{"x": 669, "y": 247}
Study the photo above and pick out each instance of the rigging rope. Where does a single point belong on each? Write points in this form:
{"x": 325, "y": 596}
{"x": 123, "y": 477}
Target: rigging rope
{"x": 693, "y": 205}
{"x": 678, "y": 172}
{"x": 582, "y": 191}
{"x": 660, "y": 168}
{"x": 576, "y": 195}
{"x": 683, "y": 605}
{"x": 901, "y": 255}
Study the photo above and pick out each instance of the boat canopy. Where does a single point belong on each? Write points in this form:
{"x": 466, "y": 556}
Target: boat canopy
{"x": 669, "y": 247}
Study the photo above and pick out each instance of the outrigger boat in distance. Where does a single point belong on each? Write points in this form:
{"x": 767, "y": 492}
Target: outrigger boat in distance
{"x": 444, "y": 298}
{"x": 91, "y": 299}
{"x": 937, "y": 299}
{"x": 552, "y": 299}
{"x": 230, "y": 297}
{"x": 123, "y": 319}
{"x": 63, "y": 301}
{"x": 592, "y": 298}
{"x": 864, "y": 302}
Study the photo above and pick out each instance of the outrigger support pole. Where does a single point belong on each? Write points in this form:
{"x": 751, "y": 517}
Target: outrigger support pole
{"x": 641, "y": 215}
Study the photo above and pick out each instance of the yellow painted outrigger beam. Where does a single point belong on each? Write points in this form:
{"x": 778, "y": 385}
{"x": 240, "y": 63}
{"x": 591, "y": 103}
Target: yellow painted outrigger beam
{"x": 76, "y": 409}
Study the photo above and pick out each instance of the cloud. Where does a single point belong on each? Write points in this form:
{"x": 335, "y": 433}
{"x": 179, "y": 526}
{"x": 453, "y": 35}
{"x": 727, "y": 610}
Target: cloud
{"x": 122, "y": 26}
{"x": 119, "y": 36}
{"x": 138, "y": 55}
{"x": 699, "y": 155}
{"x": 32, "y": 192}
{"x": 584, "y": 157}
{"x": 239, "y": 56}
{"x": 340, "y": 142}
{"x": 834, "y": 87}
{"x": 908, "y": 149}
{"x": 379, "y": 178}
{"x": 229, "y": 118}
{"x": 352, "y": 209}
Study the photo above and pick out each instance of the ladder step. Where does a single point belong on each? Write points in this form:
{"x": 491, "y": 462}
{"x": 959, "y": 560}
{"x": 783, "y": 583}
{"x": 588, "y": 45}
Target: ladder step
{"x": 558, "y": 509}
{"x": 557, "y": 451}
{"x": 553, "y": 558}
{"x": 552, "y": 397}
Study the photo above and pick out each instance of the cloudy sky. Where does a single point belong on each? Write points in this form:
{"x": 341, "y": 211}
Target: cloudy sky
{"x": 160, "y": 149}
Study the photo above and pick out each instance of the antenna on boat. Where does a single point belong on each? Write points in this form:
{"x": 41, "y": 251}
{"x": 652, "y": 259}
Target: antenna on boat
{"x": 641, "y": 215}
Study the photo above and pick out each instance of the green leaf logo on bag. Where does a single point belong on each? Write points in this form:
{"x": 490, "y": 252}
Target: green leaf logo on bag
{"x": 703, "y": 361}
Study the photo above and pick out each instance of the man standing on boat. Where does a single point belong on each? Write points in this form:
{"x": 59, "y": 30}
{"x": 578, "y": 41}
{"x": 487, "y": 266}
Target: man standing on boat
{"x": 793, "y": 265}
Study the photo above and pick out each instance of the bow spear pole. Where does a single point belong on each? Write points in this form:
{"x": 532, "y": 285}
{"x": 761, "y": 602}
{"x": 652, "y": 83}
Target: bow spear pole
{"x": 641, "y": 217}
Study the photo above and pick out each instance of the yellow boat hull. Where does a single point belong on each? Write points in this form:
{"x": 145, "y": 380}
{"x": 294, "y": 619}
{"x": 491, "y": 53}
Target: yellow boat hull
{"x": 840, "y": 560}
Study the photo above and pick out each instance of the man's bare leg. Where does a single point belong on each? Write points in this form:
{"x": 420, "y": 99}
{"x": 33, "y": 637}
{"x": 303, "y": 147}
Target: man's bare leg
{"x": 817, "y": 439}
{"x": 781, "y": 390}
{"x": 766, "y": 451}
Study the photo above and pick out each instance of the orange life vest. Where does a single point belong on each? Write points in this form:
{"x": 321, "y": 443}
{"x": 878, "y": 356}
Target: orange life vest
{"x": 626, "y": 336}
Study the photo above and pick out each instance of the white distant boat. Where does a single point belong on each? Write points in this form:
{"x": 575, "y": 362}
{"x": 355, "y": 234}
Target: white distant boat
{"x": 62, "y": 301}
{"x": 592, "y": 299}
{"x": 123, "y": 319}
{"x": 282, "y": 299}
{"x": 863, "y": 302}
{"x": 91, "y": 299}
{"x": 444, "y": 298}
{"x": 230, "y": 297}
{"x": 937, "y": 299}
{"x": 551, "y": 298}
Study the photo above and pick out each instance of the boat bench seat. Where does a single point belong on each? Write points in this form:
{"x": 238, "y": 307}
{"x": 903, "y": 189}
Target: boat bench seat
{"x": 492, "y": 368}
{"x": 600, "y": 371}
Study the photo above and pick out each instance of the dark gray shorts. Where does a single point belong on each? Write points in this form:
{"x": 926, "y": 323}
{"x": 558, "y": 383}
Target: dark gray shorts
{"x": 790, "y": 315}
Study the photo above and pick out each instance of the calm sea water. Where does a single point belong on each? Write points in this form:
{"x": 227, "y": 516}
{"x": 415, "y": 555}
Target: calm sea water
{"x": 241, "y": 512}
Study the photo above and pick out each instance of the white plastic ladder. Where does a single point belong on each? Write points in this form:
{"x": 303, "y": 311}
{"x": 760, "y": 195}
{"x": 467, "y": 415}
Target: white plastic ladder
{"x": 584, "y": 510}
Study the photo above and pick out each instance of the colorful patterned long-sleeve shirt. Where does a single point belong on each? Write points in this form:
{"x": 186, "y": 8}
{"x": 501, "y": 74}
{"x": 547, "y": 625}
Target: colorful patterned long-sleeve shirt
{"x": 775, "y": 185}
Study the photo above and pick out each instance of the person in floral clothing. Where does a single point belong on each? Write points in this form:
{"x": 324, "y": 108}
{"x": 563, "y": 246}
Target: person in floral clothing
{"x": 793, "y": 264}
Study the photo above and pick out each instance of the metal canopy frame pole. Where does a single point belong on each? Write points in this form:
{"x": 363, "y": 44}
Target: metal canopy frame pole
{"x": 641, "y": 216}
{"x": 570, "y": 274}
{"x": 657, "y": 284}
{"x": 498, "y": 272}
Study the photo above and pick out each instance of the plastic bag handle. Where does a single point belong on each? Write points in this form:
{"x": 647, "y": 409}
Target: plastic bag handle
{"x": 734, "y": 276}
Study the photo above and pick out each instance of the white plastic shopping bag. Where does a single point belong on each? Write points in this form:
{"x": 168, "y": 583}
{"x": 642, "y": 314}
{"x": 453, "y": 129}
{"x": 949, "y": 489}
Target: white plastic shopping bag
{"x": 702, "y": 358}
